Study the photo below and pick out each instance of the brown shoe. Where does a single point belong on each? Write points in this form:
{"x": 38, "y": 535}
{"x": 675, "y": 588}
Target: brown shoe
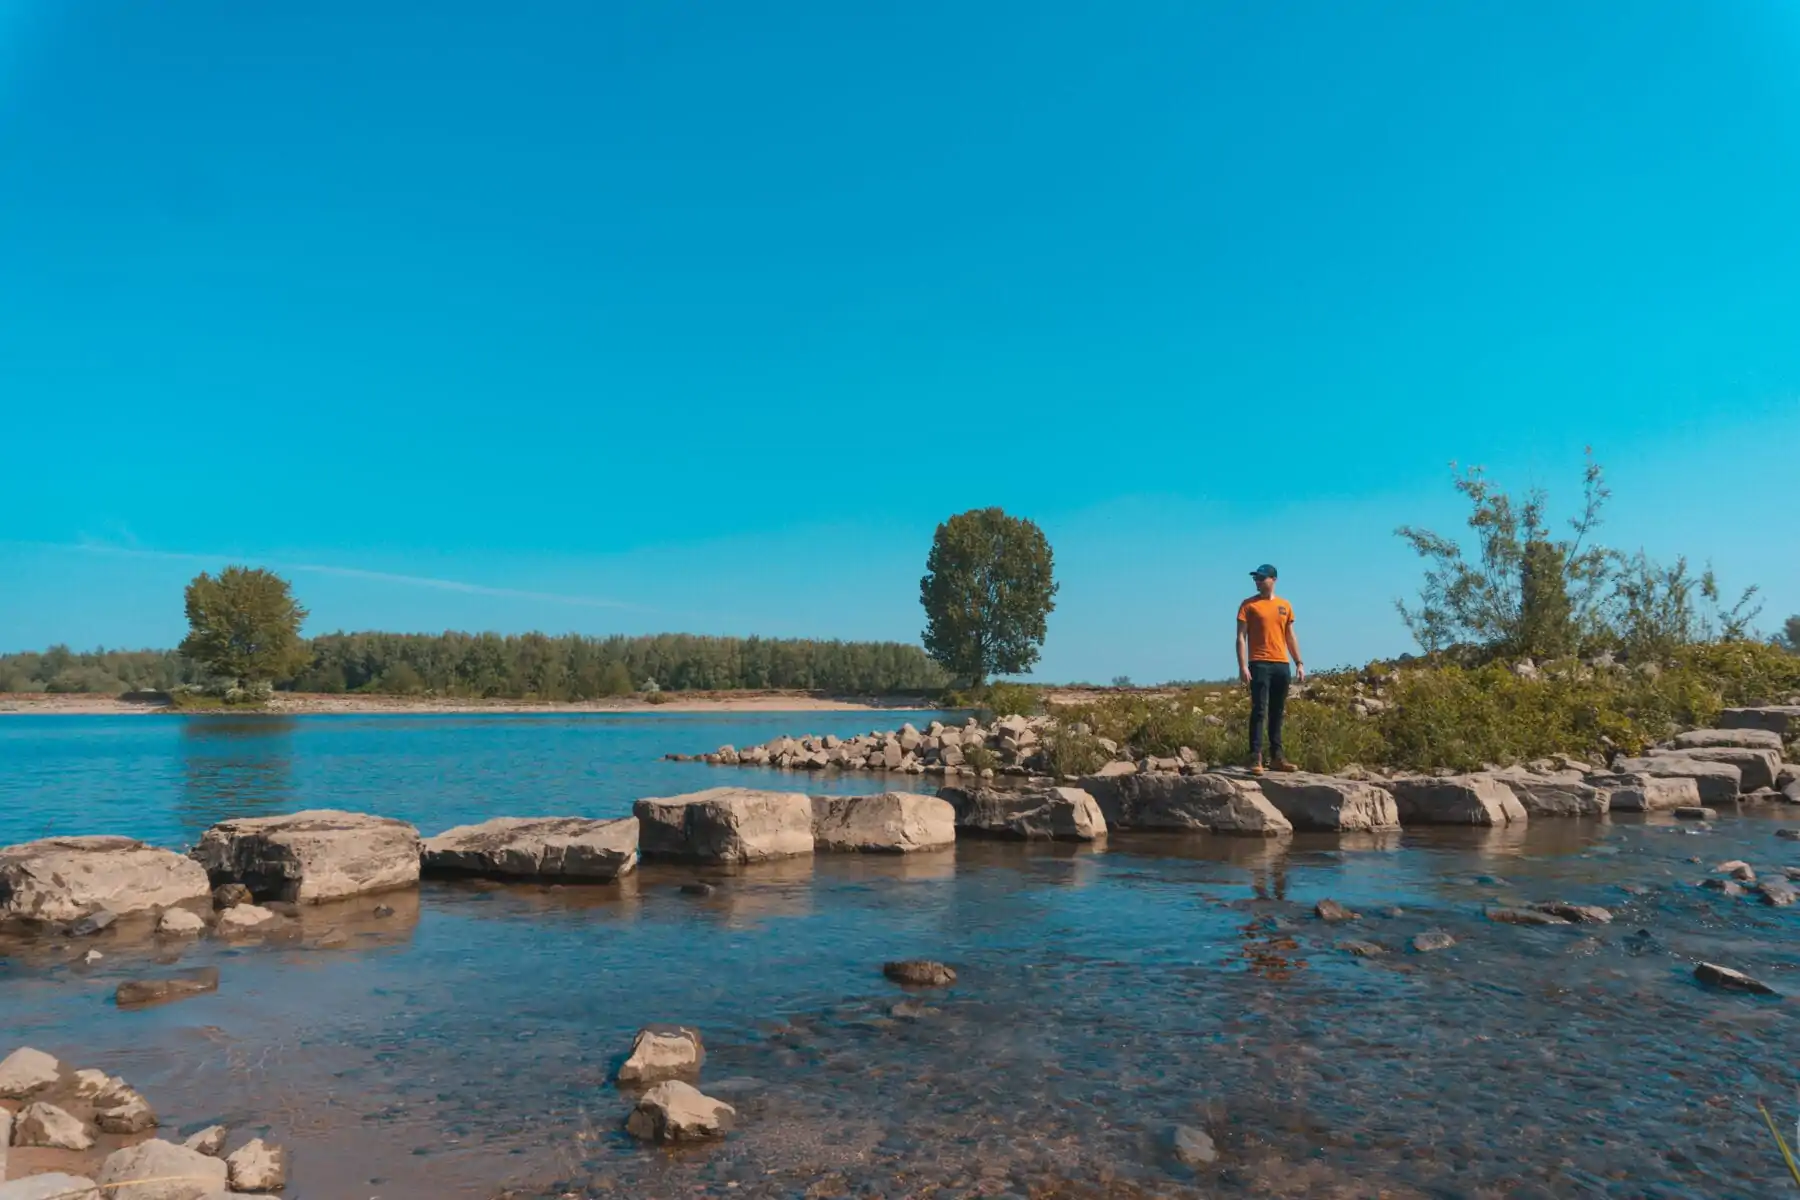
{"x": 1284, "y": 765}
{"x": 1256, "y": 768}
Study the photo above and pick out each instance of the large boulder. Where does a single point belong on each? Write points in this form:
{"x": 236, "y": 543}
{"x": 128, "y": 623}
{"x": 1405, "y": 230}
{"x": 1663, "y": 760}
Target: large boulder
{"x": 67, "y": 878}
{"x": 1742, "y": 739}
{"x": 733, "y": 825}
{"x": 1455, "y": 800}
{"x": 159, "y": 1170}
{"x": 41, "y": 1124}
{"x": 310, "y": 857}
{"x": 1718, "y": 783}
{"x": 257, "y": 1166}
{"x": 893, "y": 822}
{"x": 26, "y": 1072}
{"x": 1058, "y": 813}
{"x": 1756, "y": 768}
{"x": 1646, "y": 793}
{"x": 561, "y": 848}
{"x": 1556, "y": 795}
{"x": 1329, "y": 803}
{"x": 1206, "y": 802}
{"x": 1780, "y": 719}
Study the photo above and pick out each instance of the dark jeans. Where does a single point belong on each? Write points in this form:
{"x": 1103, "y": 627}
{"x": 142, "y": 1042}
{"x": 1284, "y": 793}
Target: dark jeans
{"x": 1268, "y": 698}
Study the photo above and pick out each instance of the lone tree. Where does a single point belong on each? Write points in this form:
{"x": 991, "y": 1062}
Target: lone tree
{"x": 987, "y": 590}
{"x": 244, "y": 626}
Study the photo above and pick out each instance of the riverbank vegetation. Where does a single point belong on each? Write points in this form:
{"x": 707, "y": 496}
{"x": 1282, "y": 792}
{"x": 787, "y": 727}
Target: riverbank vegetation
{"x": 492, "y": 666}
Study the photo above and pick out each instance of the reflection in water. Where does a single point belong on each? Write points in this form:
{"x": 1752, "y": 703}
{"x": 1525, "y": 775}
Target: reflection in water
{"x": 235, "y": 767}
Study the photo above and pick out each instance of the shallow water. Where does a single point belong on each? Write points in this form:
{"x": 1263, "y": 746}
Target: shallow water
{"x": 462, "y": 1045}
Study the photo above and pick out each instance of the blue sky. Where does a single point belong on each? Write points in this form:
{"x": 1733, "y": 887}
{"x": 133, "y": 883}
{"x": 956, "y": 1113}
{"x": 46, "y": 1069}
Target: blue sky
{"x": 628, "y": 317}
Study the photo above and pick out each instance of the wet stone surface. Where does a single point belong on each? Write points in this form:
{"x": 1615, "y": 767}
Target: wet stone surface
{"x": 465, "y": 1046}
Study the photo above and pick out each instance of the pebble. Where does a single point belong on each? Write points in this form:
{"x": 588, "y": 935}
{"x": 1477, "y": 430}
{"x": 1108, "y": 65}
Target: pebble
{"x": 1331, "y": 910}
{"x": 1193, "y": 1147}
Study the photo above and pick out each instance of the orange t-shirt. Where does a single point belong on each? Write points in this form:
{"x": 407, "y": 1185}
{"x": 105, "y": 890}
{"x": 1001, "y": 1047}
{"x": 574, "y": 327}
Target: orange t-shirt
{"x": 1266, "y": 622}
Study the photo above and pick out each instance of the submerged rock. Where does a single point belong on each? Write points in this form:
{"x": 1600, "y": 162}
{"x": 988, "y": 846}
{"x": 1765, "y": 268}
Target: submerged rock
{"x": 1694, "y": 813}
{"x": 1725, "y": 887}
{"x": 1192, "y": 1147}
{"x": 71, "y": 878}
{"x": 174, "y": 987}
{"x": 1361, "y": 948}
{"x": 674, "y": 1111}
{"x": 1331, "y": 910}
{"x": 919, "y": 972}
{"x": 1581, "y": 914}
{"x": 1777, "y": 893}
{"x": 731, "y": 825}
{"x": 313, "y": 856}
{"x": 1434, "y": 939}
{"x": 662, "y": 1052}
{"x": 1724, "y": 977}
{"x": 891, "y": 823}
{"x": 1525, "y": 916}
{"x": 564, "y": 848}
{"x": 1738, "y": 869}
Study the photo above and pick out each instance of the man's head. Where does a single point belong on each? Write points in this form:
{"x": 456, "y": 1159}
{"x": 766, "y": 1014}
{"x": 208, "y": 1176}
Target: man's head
{"x": 1265, "y": 580}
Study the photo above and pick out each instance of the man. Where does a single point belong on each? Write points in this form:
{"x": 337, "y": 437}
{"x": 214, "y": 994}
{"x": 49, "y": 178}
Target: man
{"x": 1265, "y": 640}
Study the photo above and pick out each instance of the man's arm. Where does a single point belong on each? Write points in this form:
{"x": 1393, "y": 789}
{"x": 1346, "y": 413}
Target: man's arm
{"x": 1294, "y": 649}
{"x": 1243, "y": 650}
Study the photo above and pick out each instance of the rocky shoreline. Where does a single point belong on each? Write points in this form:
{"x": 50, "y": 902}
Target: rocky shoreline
{"x": 257, "y": 880}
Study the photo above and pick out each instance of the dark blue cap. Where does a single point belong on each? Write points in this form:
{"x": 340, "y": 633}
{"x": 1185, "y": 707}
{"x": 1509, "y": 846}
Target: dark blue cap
{"x": 1263, "y": 572}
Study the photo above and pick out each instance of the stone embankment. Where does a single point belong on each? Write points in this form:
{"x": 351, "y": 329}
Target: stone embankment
{"x": 82, "y": 1134}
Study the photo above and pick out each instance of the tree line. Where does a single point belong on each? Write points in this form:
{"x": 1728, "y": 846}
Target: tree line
{"x": 493, "y": 666}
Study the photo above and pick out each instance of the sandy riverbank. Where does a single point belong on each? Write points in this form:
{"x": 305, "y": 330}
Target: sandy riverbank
{"x": 43, "y": 704}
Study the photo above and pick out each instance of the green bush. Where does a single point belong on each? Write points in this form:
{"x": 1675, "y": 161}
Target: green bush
{"x": 1069, "y": 752}
{"x": 1010, "y": 699}
{"x": 980, "y": 758}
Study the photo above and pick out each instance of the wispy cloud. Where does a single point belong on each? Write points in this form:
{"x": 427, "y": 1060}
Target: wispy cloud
{"x": 423, "y": 581}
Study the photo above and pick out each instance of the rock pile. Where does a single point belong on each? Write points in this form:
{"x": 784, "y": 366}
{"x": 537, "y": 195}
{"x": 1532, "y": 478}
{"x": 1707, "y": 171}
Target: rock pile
{"x": 68, "y": 1110}
{"x": 662, "y": 1059}
{"x": 1009, "y": 746}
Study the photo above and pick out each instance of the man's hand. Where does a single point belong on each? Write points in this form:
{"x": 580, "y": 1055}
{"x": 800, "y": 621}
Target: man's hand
{"x": 1244, "y": 673}
{"x": 1300, "y": 672}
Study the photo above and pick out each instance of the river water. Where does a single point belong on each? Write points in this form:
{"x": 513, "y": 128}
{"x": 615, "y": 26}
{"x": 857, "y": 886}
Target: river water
{"x": 461, "y": 1046}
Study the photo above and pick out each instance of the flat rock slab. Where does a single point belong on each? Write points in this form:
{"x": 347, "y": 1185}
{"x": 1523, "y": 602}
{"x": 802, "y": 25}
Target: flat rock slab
{"x": 576, "y": 849}
{"x": 52, "y": 1185}
{"x": 1742, "y": 739}
{"x": 1780, "y": 719}
{"x": 1456, "y": 800}
{"x": 1717, "y": 782}
{"x": 1040, "y": 814}
{"x": 1580, "y": 914}
{"x": 1756, "y": 768}
{"x": 42, "y": 1124}
{"x": 1554, "y": 796}
{"x": 1714, "y": 975}
{"x": 1207, "y": 802}
{"x": 1636, "y": 792}
{"x": 1325, "y": 802}
{"x": 159, "y": 1170}
{"x": 727, "y": 825}
{"x": 66, "y": 879}
{"x": 136, "y": 993}
{"x": 890, "y": 823}
{"x": 310, "y": 857}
